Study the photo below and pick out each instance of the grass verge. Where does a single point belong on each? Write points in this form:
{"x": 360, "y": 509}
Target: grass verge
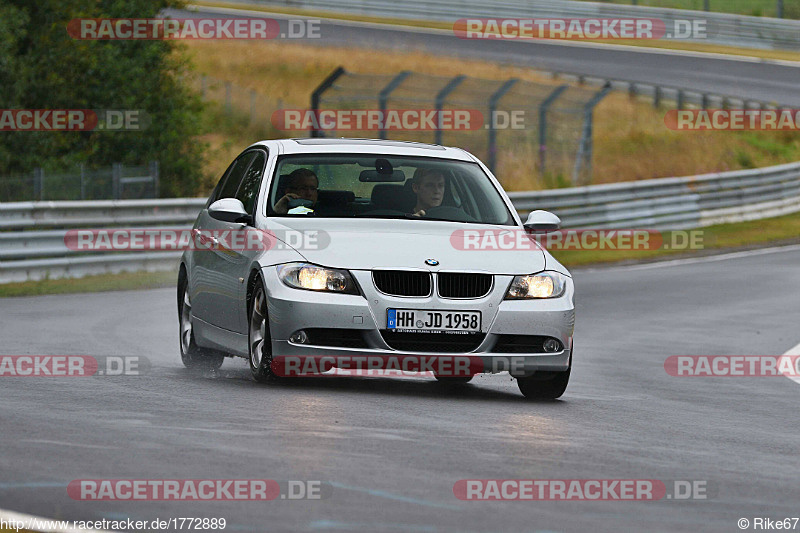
{"x": 776, "y": 231}
{"x": 100, "y": 283}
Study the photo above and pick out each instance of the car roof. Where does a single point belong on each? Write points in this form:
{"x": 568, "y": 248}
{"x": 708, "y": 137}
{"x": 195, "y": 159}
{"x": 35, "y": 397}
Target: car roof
{"x": 366, "y": 146}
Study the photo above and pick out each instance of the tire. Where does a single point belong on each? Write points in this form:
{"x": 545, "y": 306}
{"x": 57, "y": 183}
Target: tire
{"x": 548, "y": 387}
{"x": 193, "y": 356}
{"x": 453, "y": 380}
{"x": 258, "y": 337}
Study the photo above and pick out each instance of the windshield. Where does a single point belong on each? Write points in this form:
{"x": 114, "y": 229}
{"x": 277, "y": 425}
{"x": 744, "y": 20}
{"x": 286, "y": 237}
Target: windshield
{"x": 377, "y": 186}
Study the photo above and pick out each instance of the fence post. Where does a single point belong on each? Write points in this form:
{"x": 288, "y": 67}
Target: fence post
{"x": 203, "y": 86}
{"x": 440, "y": 97}
{"x": 585, "y": 148}
{"x": 38, "y": 183}
{"x": 383, "y": 98}
{"x": 83, "y": 181}
{"x": 154, "y": 175}
{"x": 498, "y": 94}
{"x": 680, "y": 99}
{"x": 704, "y": 102}
{"x": 657, "y": 96}
{"x": 543, "y": 107}
{"x": 707, "y": 5}
{"x": 116, "y": 175}
{"x": 779, "y": 9}
{"x": 326, "y": 84}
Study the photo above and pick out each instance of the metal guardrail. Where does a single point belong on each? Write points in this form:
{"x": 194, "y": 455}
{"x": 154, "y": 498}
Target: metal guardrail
{"x": 102, "y": 213}
{"x": 34, "y": 247}
{"x": 31, "y": 247}
{"x": 674, "y": 203}
{"x": 726, "y": 29}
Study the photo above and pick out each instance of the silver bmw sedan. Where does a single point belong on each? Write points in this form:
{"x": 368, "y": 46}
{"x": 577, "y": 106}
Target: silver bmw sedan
{"x": 317, "y": 256}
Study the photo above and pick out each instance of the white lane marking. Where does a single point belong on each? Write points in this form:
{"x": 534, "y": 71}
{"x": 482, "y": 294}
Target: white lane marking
{"x": 43, "y": 525}
{"x": 704, "y": 259}
{"x": 793, "y": 352}
{"x": 555, "y": 42}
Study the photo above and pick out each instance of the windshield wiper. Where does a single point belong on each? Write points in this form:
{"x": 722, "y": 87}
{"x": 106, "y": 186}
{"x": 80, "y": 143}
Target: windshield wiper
{"x": 414, "y": 217}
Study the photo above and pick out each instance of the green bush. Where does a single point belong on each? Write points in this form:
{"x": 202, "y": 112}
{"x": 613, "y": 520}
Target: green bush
{"x": 42, "y": 67}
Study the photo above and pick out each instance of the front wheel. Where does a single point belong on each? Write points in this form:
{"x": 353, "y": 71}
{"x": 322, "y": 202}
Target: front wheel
{"x": 193, "y": 356}
{"x": 258, "y": 336}
{"x": 549, "y": 386}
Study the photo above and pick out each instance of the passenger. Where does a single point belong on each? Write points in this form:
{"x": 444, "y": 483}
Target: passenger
{"x": 302, "y": 184}
{"x": 428, "y": 185}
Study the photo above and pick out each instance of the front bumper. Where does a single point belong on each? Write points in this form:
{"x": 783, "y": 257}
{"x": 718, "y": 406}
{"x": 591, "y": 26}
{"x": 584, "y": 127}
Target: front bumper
{"x": 290, "y": 310}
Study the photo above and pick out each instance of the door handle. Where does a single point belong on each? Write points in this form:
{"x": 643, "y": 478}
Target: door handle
{"x": 203, "y": 239}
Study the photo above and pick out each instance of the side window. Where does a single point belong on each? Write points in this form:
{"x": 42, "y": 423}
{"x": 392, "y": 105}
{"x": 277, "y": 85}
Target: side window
{"x": 248, "y": 190}
{"x": 215, "y": 193}
{"x": 230, "y": 183}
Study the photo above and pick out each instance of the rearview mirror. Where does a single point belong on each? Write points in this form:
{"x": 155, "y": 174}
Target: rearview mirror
{"x": 542, "y": 221}
{"x": 229, "y": 210}
{"x": 372, "y": 176}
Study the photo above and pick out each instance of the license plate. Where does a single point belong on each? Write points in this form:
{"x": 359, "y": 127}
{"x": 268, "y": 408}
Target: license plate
{"x": 423, "y": 321}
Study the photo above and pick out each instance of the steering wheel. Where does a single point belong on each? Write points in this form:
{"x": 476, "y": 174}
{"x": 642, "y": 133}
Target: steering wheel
{"x": 455, "y": 214}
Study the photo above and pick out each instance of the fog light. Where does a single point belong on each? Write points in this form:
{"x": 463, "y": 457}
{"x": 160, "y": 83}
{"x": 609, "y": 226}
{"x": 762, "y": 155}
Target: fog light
{"x": 299, "y": 337}
{"x": 552, "y": 345}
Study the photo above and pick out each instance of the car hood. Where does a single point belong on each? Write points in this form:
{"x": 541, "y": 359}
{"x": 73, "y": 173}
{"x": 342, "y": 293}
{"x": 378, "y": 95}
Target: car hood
{"x": 366, "y": 244}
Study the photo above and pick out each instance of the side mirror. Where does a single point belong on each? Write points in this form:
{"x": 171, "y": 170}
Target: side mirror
{"x": 229, "y": 210}
{"x": 542, "y": 221}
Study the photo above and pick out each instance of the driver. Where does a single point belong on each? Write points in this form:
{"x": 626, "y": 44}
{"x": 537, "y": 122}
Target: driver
{"x": 428, "y": 185}
{"x": 302, "y": 184}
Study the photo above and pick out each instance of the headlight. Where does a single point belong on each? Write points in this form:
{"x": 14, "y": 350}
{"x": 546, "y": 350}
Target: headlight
{"x": 316, "y": 278}
{"x": 541, "y": 285}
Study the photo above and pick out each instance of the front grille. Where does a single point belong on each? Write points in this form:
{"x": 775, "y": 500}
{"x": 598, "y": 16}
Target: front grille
{"x": 402, "y": 282}
{"x": 520, "y": 344}
{"x": 433, "y": 342}
{"x": 464, "y": 284}
{"x": 336, "y": 337}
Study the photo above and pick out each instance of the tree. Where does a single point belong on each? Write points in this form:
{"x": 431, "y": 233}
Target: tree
{"x": 42, "y": 67}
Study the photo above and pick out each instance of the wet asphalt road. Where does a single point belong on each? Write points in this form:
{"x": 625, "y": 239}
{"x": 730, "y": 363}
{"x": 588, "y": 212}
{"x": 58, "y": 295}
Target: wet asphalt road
{"x": 390, "y": 450}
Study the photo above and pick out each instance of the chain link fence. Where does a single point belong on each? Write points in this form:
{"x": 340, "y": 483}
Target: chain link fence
{"x": 529, "y": 129}
{"x": 248, "y": 104}
{"x": 115, "y": 182}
